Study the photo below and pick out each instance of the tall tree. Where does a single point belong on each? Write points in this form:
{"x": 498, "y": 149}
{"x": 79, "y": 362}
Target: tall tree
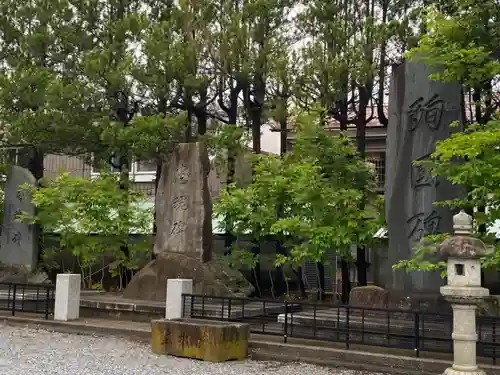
{"x": 41, "y": 104}
{"x": 346, "y": 55}
{"x": 280, "y": 89}
{"x": 317, "y": 185}
{"x": 463, "y": 40}
{"x": 172, "y": 74}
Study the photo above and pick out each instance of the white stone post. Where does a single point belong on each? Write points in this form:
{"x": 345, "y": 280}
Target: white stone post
{"x": 464, "y": 292}
{"x": 67, "y": 305}
{"x": 174, "y": 308}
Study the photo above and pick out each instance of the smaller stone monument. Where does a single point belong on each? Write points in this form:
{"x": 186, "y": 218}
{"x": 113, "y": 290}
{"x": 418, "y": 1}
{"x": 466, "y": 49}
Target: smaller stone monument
{"x": 370, "y": 296}
{"x": 19, "y": 241}
{"x": 464, "y": 292}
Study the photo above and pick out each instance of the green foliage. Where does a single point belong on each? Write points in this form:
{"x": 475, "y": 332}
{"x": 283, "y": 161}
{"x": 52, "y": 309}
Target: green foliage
{"x": 347, "y": 53}
{"x": 73, "y": 85}
{"x": 424, "y": 256}
{"x": 94, "y": 219}
{"x": 146, "y": 137}
{"x": 319, "y": 185}
{"x": 241, "y": 258}
{"x": 226, "y": 140}
{"x": 462, "y": 39}
{"x": 470, "y": 159}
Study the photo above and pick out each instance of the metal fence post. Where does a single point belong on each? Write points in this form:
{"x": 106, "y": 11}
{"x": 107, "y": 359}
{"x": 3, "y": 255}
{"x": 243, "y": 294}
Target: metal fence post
{"x": 347, "y": 333}
{"x": 285, "y": 327}
{"x": 494, "y": 340}
{"x": 47, "y": 296}
{"x": 14, "y": 300}
{"x": 417, "y": 334}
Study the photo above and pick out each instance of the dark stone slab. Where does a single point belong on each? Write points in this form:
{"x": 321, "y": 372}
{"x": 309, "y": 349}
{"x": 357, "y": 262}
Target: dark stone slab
{"x": 19, "y": 241}
{"x": 420, "y": 113}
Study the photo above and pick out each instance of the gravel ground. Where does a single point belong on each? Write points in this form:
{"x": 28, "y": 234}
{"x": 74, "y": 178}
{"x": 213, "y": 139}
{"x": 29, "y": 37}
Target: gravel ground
{"x": 35, "y": 352}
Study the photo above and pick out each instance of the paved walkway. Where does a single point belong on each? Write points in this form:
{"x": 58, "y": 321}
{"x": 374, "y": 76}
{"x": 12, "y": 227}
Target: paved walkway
{"x": 35, "y": 352}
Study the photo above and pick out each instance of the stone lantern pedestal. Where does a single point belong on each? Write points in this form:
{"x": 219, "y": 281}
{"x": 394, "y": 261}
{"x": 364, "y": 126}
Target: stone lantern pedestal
{"x": 464, "y": 292}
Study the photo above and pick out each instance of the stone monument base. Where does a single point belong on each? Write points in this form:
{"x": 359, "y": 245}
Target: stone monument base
{"x": 210, "y": 278}
{"x": 370, "y": 296}
{"x": 21, "y": 275}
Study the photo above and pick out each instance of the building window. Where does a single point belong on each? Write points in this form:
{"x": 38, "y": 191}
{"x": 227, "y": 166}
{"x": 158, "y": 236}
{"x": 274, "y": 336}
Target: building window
{"x": 145, "y": 167}
{"x": 141, "y": 171}
{"x": 378, "y": 161}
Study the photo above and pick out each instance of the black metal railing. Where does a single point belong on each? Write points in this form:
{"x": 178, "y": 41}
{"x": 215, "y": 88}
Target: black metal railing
{"x": 394, "y": 328}
{"x": 27, "y": 298}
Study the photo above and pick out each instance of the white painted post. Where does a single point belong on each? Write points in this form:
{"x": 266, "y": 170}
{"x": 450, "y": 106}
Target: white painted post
{"x": 174, "y": 308}
{"x": 67, "y": 305}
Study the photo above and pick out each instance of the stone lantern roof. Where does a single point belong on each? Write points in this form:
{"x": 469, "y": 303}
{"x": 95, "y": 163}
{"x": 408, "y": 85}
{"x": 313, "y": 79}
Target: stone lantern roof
{"x": 462, "y": 244}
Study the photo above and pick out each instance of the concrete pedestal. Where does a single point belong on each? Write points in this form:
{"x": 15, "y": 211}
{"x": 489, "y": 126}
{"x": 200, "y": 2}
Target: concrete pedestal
{"x": 464, "y": 292}
{"x": 174, "y": 308}
{"x": 464, "y": 341}
{"x": 67, "y": 304}
{"x": 464, "y": 301}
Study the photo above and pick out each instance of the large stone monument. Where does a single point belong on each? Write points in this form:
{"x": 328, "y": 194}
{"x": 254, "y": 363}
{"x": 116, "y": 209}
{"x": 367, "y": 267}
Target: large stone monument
{"x": 18, "y": 241}
{"x": 420, "y": 113}
{"x": 183, "y": 205}
{"x": 184, "y": 233}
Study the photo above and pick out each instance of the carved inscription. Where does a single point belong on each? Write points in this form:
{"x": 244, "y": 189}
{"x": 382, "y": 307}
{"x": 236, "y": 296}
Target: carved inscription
{"x": 180, "y": 203}
{"x": 421, "y": 178}
{"x": 205, "y": 338}
{"x": 167, "y": 337}
{"x": 20, "y": 194}
{"x": 421, "y": 225}
{"x": 16, "y": 238}
{"x": 182, "y": 174}
{"x": 428, "y": 112}
{"x": 178, "y": 227}
{"x": 183, "y": 340}
{"x": 7, "y": 226}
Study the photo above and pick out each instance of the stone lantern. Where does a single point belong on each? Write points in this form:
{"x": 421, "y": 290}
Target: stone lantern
{"x": 463, "y": 291}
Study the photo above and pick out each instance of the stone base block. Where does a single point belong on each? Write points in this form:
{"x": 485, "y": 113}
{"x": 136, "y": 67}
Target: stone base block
{"x": 209, "y": 278}
{"x": 200, "y": 339}
{"x": 368, "y": 296}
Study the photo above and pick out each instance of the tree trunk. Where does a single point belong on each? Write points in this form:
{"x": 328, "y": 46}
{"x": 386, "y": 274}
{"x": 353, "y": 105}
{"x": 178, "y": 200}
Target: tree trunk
{"x": 346, "y": 282}
{"x": 232, "y": 114}
{"x": 280, "y": 250}
{"x": 321, "y": 281}
{"x": 361, "y": 265}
